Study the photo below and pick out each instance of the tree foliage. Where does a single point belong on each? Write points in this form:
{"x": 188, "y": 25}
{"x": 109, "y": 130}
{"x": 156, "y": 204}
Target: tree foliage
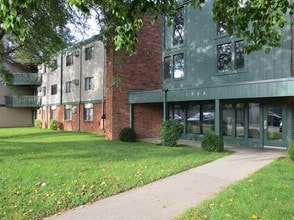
{"x": 32, "y": 30}
{"x": 42, "y": 22}
{"x": 260, "y": 22}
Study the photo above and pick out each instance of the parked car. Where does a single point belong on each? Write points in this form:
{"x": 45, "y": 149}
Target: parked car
{"x": 274, "y": 119}
{"x": 207, "y": 117}
{"x": 176, "y": 117}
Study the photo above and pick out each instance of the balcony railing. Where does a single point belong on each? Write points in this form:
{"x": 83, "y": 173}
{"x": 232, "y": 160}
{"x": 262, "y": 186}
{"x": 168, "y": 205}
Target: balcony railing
{"x": 22, "y": 101}
{"x": 26, "y": 79}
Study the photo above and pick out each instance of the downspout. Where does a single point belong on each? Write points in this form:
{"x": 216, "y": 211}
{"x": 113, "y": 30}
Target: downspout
{"x": 103, "y": 116}
{"x": 165, "y": 104}
{"x": 61, "y": 76}
{"x": 80, "y": 90}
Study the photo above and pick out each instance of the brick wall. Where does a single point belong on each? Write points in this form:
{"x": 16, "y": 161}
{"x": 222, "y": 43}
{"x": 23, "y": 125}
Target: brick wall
{"x": 147, "y": 120}
{"x": 76, "y": 123}
{"x": 139, "y": 72}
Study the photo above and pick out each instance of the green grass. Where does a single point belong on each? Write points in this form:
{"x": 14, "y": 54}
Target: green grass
{"x": 45, "y": 172}
{"x": 267, "y": 194}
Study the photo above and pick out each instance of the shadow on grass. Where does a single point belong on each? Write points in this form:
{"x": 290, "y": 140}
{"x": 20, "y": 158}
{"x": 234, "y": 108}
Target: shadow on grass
{"x": 101, "y": 149}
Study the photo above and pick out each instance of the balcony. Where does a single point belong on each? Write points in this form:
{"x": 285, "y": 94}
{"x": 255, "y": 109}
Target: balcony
{"x": 26, "y": 79}
{"x": 22, "y": 101}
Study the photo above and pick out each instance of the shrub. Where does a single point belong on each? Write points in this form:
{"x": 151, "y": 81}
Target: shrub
{"x": 291, "y": 151}
{"x": 54, "y": 124}
{"x": 38, "y": 124}
{"x": 212, "y": 143}
{"x": 127, "y": 135}
{"x": 170, "y": 133}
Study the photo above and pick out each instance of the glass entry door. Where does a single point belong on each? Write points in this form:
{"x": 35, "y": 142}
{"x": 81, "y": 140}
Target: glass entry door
{"x": 273, "y": 125}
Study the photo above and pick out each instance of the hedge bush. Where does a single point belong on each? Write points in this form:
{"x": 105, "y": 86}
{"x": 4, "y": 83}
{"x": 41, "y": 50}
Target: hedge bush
{"x": 291, "y": 152}
{"x": 54, "y": 124}
{"x": 38, "y": 124}
{"x": 127, "y": 135}
{"x": 170, "y": 133}
{"x": 212, "y": 143}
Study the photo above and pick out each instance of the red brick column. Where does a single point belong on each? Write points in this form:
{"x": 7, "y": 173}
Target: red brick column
{"x": 139, "y": 72}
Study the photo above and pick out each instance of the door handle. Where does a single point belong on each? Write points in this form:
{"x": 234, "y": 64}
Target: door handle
{"x": 265, "y": 124}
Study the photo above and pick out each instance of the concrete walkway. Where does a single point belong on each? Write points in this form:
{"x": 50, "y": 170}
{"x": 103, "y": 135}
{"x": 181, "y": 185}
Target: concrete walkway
{"x": 169, "y": 197}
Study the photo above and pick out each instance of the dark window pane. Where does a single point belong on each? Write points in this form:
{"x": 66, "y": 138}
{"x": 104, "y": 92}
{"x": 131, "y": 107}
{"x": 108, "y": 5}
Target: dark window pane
{"x": 168, "y": 34}
{"x": 207, "y": 119}
{"x": 179, "y": 27}
{"x": 69, "y": 60}
{"x": 228, "y": 118}
{"x": 193, "y": 119}
{"x": 221, "y": 28}
{"x": 88, "y": 53}
{"x": 167, "y": 67}
{"x": 224, "y": 57}
{"x": 240, "y": 120}
{"x": 239, "y": 54}
{"x": 254, "y": 120}
{"x": 179, "y": 66}
{"x": 53, "y": 89}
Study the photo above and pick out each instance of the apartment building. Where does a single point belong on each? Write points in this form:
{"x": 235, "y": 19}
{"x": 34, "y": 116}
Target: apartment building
{"x": 18, "y": 104}
{"x": 72, "y": 89}
{"x": 210, "y": 85}
{"x": 193, "y": 72}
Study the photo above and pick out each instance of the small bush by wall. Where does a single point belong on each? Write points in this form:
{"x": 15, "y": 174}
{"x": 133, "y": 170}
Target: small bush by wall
{"x": 291, "y": 152}
{"x": 127, "y": 135}
{"x": 212, "y": 143}
{"x": 38, "y": 124}
{"x": 170, "y": 133}
{"x": 54, "y": 124}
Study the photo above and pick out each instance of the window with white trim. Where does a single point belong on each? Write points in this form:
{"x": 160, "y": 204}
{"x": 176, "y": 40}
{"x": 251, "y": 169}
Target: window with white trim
{"x": 88, "y": 112}
{"x": 68, "y": 87}
{"x": 89, "y": 83}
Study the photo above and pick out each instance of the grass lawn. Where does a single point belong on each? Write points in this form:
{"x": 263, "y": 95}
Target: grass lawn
{"x": 45, "y": 172}
{"x": 267, "y": 194}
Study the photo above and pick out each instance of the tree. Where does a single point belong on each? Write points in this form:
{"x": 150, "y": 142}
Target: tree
{"x": 258, "y": 21}
{"x": 31, "y": 31}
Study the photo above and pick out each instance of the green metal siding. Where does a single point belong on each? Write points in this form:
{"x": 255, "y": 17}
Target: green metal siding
{"x": 22, "y": 101}
{"x": 26, "y": 79}
{"x": 201, "y": 56}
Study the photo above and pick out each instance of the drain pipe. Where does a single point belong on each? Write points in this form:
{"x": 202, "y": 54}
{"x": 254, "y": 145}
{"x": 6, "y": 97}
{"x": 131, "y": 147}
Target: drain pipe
{"x": 103, "y": 116}
{"x": 165, "y": 104}
{"x": 80, "y": 89}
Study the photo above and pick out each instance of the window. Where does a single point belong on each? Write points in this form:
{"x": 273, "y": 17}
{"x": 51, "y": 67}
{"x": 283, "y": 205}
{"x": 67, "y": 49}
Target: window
{"x": 174, "y": 66}
{"x": 69, "y": 59}
{"x": 88, "y": 112}
{"x": 195, "y": 118}
{"x": 44, "y": 90}
{"x": 221, "y": 28}
{"x": 178, "y": 66}
{"x": 53, "y": 64}
{"x": 178, "y": 34}
{"x": 240, "y": 120}
{"x": 54, "y": 89}
{"x": 53, "y": 113}
{"x": 88, "y": 53}
{"x": 230, "y": 56}
{"x": 254, "y": 120}
{"x": 68, "y": 113}
{"x": 89, "y": 83}
{"x": 68, "y": 87}
{"x": 175, "y": 34}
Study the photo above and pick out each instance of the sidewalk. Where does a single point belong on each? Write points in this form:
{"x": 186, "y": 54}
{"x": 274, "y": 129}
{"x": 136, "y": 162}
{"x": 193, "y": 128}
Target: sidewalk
{"x": 169, "y": 197}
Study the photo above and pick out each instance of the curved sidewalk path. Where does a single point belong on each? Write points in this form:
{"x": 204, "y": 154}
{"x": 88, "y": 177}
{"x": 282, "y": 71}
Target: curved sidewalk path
{"x": 169, "y": 197}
